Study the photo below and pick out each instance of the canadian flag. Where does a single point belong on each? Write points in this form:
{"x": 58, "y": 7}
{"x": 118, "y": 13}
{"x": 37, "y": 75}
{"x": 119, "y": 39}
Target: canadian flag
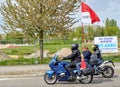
{"x": 88, "y": 15}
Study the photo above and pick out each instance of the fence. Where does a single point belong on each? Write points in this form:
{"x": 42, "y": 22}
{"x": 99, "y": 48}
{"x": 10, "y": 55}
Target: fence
{"x": 30, "y": 48}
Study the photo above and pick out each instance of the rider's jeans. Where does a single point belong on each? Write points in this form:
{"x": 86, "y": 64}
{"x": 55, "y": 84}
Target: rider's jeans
{"x": 78, "y": 68}
{"x": 78, "y": 65}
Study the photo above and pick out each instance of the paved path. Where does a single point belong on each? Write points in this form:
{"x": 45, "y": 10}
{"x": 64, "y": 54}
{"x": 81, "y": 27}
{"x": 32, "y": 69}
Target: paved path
{"x": 31, "y": 70}
{"x": 23, "y": 71}
{"x": 32, "y": 76}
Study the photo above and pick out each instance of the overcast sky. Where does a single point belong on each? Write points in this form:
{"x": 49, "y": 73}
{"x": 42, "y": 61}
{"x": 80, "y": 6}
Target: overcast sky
{"x": 106, "y": 8}
{"x": 103, "y": 8}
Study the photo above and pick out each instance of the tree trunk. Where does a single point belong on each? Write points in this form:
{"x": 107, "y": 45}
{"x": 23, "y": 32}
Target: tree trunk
{"x": 41, "y": 44}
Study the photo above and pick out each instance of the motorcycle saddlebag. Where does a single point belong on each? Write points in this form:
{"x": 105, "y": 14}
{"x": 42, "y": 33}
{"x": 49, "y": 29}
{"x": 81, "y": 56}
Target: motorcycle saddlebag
{"x": 87, "y": 71}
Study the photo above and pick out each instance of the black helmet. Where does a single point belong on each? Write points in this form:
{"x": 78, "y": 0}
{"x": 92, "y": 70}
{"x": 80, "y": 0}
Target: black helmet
{"x": 95, "y": 47}
{"x": 74, "y": 46}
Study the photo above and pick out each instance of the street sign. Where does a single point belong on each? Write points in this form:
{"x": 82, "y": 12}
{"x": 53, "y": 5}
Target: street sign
{"x": 108, "y": 44}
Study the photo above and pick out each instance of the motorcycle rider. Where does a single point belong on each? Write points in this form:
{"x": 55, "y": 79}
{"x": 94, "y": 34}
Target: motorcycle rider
{"x": 96, "y": 51}
{"x": 86, "y": 54}
{"x": 75, "y": 58}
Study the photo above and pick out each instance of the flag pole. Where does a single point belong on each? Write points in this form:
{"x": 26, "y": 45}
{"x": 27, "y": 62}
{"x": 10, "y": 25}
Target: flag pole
{"x": 82, "y": 33}
{"x": 90, "y": 17}
{"x": 82, "y": 25}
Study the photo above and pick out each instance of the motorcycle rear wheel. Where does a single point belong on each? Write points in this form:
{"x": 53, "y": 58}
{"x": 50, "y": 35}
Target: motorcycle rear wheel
{"x": 108, "y": 72}
{"x": 87, "y": 79}
{"x": 51, "y": 80}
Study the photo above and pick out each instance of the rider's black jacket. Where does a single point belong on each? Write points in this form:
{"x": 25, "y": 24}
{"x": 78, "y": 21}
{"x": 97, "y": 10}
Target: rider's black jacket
{"x": 75, "y": 56}
{"x": 98, "y": 54}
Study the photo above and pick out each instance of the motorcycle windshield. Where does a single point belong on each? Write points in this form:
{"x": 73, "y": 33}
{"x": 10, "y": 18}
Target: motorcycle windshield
{"x": 54, "y": 59}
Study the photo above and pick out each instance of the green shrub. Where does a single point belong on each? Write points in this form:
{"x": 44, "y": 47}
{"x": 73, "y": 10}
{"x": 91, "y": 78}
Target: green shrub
{"x": 31, "y": 61}
{"x": 113, "y": 58}
{"x": 60, "y": 42}
{"x": 23, "y": 61}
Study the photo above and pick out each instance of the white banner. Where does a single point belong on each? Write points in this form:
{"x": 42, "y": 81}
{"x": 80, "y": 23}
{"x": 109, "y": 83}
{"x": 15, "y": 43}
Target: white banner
{"x": 86, "y": 18}
{"x": 107, "y": 44}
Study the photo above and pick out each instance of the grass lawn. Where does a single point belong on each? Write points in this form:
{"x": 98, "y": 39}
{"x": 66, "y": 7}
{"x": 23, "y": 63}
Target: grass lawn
{"x": 21, "y": 50}
{"x": 25, "y": 50}
{"x": 54, "y": 48}
{"x": 31, "y": 61}
{"x": 113, "y": 58}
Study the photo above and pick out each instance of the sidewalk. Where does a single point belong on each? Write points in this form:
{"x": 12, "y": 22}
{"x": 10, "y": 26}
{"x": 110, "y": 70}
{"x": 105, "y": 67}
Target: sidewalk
{"x": 23, "y": 71}
{"x": 29, "y": 70}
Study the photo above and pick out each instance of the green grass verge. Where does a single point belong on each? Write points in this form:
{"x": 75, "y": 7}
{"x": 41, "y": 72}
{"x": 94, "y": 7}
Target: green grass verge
{"x": 31, "y": 61}
{"x": 113, "y": 58}
{"x": 26, "y": 50}
{"x": 23, "y": 61}
{"x": 55, "y": 48}
{"x": 21, "y": 50}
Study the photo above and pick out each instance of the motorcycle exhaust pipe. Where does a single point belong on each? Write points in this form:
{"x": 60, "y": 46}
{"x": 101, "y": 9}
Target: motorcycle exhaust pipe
{"x": 62, "y": 74}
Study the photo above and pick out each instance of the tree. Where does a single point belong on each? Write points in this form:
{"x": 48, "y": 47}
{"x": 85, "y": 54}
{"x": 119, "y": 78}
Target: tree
{"x": 111, "y": 31}
{"x": 18, "y": 38}
{"x": 111, "y": 28}
{"x": 110, "y": 22}
{"x": 91, "y": 32}
{"x": 107, "y": 22}
{"x": 34, "y": 17}
{"x": 76, "y": 33}
{"x": 14, "y": 37}
{"x": 99, "y": 31}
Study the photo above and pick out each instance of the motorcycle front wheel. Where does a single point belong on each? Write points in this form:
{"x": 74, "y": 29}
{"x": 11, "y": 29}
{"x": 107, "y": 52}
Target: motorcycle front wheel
{"x": 108, "y": 72}
{"x": 51, "y": 80}
{"x": 86, "y": 79}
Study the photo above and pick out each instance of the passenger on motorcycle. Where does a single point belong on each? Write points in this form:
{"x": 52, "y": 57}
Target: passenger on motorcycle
{"x": 97, "y": 54}
{"x": 75, "y": 58}
{"x": 86, "y": 54}
{"x": 96, "y": 51}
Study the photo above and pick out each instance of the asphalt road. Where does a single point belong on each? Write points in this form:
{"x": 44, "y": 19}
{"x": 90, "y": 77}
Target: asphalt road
{"x": 98, "y": 81}
{"x": 38, "y": 81}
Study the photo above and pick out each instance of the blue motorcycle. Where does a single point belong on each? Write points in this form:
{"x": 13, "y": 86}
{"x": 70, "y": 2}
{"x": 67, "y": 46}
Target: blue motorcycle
{"x": 59, "y": 73}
